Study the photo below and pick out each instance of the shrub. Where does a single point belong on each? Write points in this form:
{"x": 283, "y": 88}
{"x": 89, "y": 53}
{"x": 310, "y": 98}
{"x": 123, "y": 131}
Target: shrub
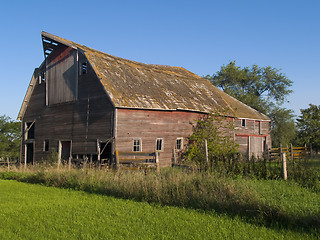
{"x": 217, "y": 130}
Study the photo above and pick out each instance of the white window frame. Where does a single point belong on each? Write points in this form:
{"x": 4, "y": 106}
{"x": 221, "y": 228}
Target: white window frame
{"x": 139, "y": 145}
{"x": 243, "y": 121}
{"x": 181, "y": 145}
{"x": 161, "y": 146}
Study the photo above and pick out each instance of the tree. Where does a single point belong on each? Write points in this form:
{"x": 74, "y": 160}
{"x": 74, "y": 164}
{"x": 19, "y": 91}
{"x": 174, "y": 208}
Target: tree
{"x": 255, "y": 86}
{"x": 9, "y": 137}
{"x": 262, "y": 88}
{"x": 308, "y": 125}
{"x": 283, "y": 129}
{"x": 218, "y": 132}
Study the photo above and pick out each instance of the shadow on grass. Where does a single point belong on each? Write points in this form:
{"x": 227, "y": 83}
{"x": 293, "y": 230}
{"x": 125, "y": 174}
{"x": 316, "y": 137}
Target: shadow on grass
{"x": 231, "y": 203}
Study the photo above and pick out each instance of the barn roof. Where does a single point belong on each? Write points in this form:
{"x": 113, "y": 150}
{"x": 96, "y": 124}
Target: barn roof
{"x": 132, "y": 84}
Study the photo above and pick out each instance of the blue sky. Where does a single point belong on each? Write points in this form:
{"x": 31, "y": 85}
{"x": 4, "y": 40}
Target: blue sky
{"x": 200, "y": 36}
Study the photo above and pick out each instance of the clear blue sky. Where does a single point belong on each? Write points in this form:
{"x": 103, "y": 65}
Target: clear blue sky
{"x": 200, "y": 36}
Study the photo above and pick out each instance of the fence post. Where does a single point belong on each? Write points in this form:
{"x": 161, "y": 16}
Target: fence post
{"x": 310, "y": 146}
{"x": 157, "y": 162}
{"x": 291, "y": 151}
{"x": 284, "y": 165}
{"x": 8, "y": 163}
{"x": 117, "y": 159}
{"x": 206, "y": 150}
{"x": 280, "y": 151}
{"x": 174, "y": 162}
{"x": 69, "y": 162}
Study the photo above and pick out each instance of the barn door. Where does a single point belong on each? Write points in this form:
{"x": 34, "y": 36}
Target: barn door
{"x": 64, "y": 151}
{"x": 29, "y": 153}
{"x": 105, "y": 152}
{"x": 256, "y": 146}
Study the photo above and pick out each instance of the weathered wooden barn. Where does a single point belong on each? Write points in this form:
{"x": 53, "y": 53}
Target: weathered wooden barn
{"x": 83, "y": 102}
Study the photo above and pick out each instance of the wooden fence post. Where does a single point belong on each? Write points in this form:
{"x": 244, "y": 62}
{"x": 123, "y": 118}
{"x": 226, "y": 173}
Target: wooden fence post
{"x": 117, "y": 159}
{"x": 310, "y": 146}
{"x": 206, "y": 151}
{"x": 8, "y": 163}
{"x": 284, "y": 165}
{"x": 174, "y": 161}
{"x": 157, "y": 162}
{"x": 69, "y": 163}
{"x": 291, "y": 152}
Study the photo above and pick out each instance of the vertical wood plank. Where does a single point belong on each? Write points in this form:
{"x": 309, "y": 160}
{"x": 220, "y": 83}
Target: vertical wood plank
{"x": 174, "y": 157}
{"x": 206, "y": 151}
{"x": 157, "y": 161}
{"x": 284, "y": 165}
{"x": 117, "y": 159}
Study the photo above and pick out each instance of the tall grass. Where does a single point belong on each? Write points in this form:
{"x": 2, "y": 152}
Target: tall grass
{"x": 206, "y": 191}
{"x": 38, "y": 212}
{"x": 305, "y": 172}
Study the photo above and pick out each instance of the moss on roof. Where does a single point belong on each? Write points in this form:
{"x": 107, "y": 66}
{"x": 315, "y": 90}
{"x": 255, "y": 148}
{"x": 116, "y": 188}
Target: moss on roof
{"x": 132, "y": 84}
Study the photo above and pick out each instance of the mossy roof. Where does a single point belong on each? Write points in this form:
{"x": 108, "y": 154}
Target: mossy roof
{"x": 132, "y": 84}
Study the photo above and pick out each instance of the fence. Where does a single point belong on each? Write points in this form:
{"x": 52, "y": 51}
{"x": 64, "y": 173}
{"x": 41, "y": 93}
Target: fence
{"x": 9, "y": 161}
{"x": 291, "y": 152}
{"x": 137, "y": 160}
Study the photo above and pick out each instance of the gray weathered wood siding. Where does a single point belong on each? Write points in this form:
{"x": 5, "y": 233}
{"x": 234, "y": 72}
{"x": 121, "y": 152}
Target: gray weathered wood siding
{"x": 62, "y": 75}
{"x": 149, "y": 125}
{"x": 82, "y": 121}
{"x": 254, "y": 137}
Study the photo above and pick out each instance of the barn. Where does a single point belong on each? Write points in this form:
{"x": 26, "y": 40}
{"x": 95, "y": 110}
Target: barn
{"x": 83, "y": 103}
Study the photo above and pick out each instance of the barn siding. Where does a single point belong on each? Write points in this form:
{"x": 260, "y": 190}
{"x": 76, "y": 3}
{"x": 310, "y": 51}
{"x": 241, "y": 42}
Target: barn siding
{"x": 82, "y": 121}
{"x": 80, "y": 110}
{"x": 150, "y": 125}
{"x": 62, "y": 75}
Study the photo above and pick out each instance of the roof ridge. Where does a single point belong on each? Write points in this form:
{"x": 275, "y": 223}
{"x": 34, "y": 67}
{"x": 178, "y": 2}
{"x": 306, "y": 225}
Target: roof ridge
{"x": 133, "y": 84}
{"x": 84, "y": 48}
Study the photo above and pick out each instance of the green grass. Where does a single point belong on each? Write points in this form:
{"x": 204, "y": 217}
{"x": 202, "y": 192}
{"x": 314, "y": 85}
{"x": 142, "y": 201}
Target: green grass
{"x": 269, "y": 203}
{"x": 37, "y": 212}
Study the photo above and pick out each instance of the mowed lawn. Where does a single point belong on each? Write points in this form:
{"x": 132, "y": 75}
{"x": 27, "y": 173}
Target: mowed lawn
{"x": 30, "y": 211}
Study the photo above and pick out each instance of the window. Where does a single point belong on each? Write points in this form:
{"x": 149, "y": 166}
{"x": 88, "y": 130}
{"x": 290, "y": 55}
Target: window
{"x": 179, "y": 143}
{"x": 159, "y": 144}
{"x": 84, "y": 68}
{"x": 260, "y": 127}
{"x": 42, "y": 77}
{"x": 243, "y": 122}
{"x": 137, "y": 145}
{"x": 46, "y": 145}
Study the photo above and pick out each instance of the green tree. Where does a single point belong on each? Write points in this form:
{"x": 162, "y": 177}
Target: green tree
{"x": 262, "y": 88}
{"x": 9, "y": 137}
{"x": 218, "y": 132}
{"x": 308, "y": 125}
{"x": 283, "y": 129}
{"x": 255, "y": 86}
